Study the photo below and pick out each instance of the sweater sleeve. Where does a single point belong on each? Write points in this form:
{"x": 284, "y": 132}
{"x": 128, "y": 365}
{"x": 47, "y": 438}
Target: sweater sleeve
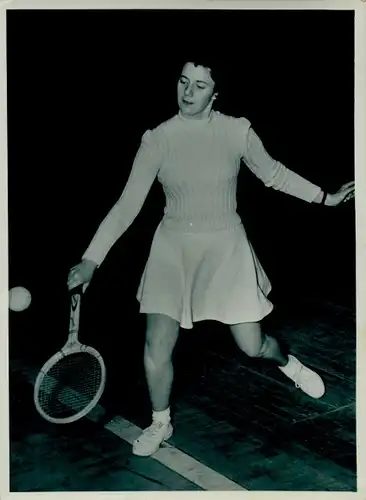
{"x": 143, "y": 173}
{"x": 273, "y": 173}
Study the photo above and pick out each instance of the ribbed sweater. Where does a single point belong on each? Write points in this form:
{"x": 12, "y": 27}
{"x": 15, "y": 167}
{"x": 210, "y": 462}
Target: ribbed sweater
{"x": 197, "y": 162}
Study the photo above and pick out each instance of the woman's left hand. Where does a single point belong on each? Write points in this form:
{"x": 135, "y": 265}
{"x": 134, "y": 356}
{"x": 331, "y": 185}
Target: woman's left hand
{"x": 344, "y": 194}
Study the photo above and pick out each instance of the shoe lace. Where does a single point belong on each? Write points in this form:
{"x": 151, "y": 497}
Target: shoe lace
{"x": 299, "y": 375}
{"x": 153, "y": 429}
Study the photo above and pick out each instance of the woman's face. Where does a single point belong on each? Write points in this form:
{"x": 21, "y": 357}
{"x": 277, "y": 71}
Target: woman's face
{"x": 195, "y": 91}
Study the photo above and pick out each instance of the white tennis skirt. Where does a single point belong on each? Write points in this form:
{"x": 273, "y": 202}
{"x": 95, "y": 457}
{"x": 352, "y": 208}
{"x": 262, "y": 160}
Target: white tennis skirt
{"x": 206, "y": 276}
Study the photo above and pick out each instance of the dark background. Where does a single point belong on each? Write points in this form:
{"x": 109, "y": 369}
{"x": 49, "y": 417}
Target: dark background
{"x": 83, "y": 86}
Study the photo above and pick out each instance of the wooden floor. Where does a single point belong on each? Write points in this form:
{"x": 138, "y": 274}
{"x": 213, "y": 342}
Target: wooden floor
{"x": 240, "y": 417}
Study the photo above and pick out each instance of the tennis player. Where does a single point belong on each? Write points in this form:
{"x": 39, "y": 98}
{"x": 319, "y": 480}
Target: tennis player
{"x": 201, "y": 264}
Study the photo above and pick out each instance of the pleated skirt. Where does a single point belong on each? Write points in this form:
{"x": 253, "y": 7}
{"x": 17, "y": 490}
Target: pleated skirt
{"x": 206, "y": 276}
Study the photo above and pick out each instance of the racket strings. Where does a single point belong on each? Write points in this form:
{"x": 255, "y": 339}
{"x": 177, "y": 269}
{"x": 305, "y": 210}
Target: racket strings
{"x": 70, "y": 385}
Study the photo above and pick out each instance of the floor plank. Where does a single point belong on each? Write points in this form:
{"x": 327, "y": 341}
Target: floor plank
{"x": 239, "y": 416}
{"x": 257, "y": 458}
{"x": 82, "y": 456}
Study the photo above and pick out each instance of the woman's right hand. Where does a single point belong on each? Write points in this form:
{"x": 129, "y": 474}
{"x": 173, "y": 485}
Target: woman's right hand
{"x": 80, "y": 274}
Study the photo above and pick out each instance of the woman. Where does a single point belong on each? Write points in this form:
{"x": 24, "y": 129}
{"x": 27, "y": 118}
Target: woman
{"x": 201, "y": 264}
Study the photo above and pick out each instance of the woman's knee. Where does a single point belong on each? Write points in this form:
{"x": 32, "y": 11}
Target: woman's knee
{"x": 256, "y": 351}
{"x": 161, "y": 336}
{"x": 250, "y": 339}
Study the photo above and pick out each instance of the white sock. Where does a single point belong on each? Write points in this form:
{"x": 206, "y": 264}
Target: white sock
{"x": 161, "y": 416}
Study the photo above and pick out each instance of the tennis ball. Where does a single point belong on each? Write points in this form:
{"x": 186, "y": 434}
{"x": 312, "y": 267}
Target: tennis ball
{"x": 19, "y": 298}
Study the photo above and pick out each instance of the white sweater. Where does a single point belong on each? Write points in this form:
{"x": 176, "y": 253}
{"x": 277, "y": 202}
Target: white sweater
{"x": 197, "y": 163}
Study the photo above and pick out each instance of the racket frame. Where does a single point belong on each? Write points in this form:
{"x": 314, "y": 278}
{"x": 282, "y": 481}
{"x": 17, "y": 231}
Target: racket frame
{"x": 72, "y": 346}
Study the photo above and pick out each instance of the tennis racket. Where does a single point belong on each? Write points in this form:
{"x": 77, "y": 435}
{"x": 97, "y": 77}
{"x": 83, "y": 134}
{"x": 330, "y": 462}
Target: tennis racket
{"x": 71, "y": 382}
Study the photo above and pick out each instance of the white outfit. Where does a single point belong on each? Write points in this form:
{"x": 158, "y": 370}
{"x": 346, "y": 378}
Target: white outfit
{"x": 201, "y": 264}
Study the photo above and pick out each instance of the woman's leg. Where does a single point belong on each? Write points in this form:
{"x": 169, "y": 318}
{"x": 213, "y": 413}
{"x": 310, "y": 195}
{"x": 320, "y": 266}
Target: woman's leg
{"x": 250, "y": 339}
{"x": 161, "y": 336}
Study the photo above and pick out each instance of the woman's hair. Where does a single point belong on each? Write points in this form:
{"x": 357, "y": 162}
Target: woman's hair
{"x": 209, "y": 62}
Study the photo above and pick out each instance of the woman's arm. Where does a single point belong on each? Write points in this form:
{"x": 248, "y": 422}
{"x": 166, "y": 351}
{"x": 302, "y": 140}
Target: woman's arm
{"x": 274, "y": 174}
{"x": 143, "y": 173}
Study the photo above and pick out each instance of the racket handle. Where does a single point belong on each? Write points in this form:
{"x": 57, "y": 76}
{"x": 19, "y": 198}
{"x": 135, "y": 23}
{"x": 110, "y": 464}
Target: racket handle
{"x": 75, "y": 299}
{"x": 77, "y": 290}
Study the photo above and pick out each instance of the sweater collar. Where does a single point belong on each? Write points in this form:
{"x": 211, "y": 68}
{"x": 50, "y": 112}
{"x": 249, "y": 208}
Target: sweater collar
{"x": 196, "y": 121}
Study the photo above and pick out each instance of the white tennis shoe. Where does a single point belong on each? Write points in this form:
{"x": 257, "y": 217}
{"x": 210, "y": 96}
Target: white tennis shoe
{"x": 305, "y": 379}
{"x": 151, "y": 438}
